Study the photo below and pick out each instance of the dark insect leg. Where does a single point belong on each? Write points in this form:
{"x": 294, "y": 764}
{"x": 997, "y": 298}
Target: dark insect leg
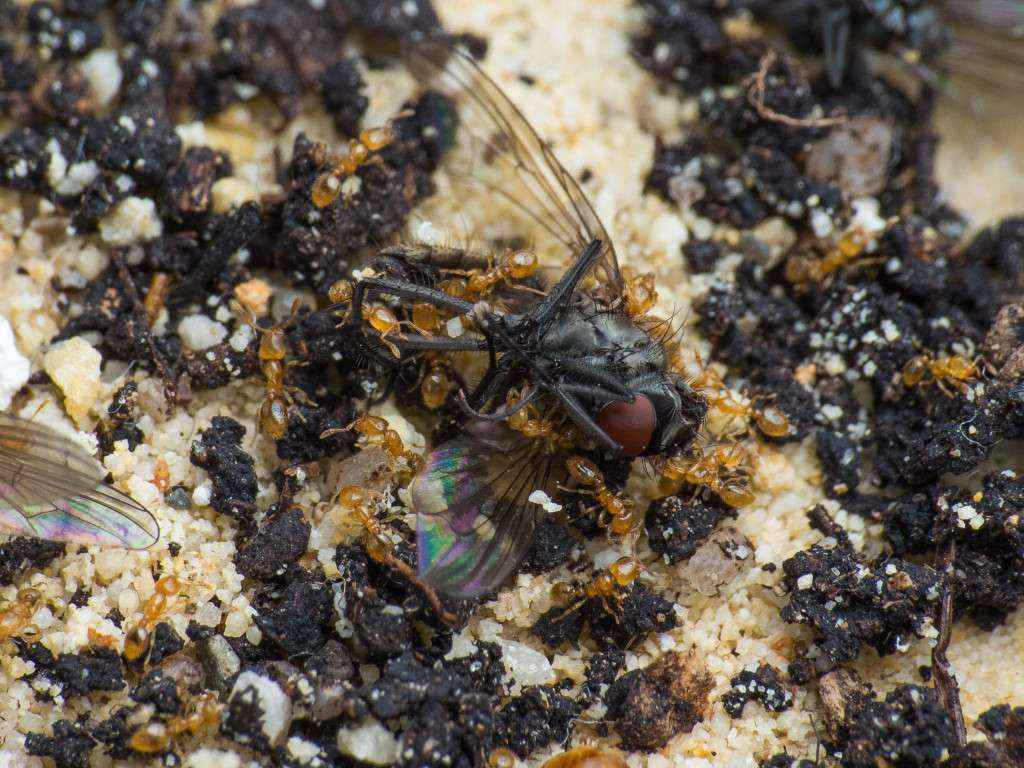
{"x": 501, "y": 412}
{"x": 546, "y": 309}
{"x": 598, "y": 394}
{"x": 582, "y": 419}
{"x": 836, "y": 43}
{"x": 418, "y": 343}
{"x": 430, "y": 256}
{"x": 404, "y": 290}
{"x": 492, "y": 385}
{"x": 598, "y": 376}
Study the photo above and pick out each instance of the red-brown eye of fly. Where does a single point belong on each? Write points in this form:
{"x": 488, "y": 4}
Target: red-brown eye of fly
{"x": 631, "y": 425}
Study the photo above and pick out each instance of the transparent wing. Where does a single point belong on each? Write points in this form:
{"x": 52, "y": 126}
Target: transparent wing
{"x": 988, "y": 41}
{"x": 474, "y": 518}
{"x": 503, "y": 166}
{"x": 52, "y": 489}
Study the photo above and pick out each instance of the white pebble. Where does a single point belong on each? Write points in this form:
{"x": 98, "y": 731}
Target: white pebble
{"x": 525, "y": 665}
{"x": 274, "y": 705}
{"x": 369, "y": 743}
{"x": 134, "y": 219}
{"x": 241, "y": 338}
{"x": 539, "y": 497}
{"x": 202, "y": 494}
{"x": 103, "y": 72}
{"x": 199, "y": 332}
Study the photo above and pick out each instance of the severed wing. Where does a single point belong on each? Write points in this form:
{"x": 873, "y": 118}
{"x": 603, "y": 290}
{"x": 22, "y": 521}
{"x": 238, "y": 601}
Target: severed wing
{"x": 51, "y": 489}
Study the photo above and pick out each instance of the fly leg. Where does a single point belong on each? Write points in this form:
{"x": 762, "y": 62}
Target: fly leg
{"x": 835, "y": 33}
{"x": 581, "y": 418}
{"x": 501, "y": 412}
{"x": 595, "y": 375}
{"x": 545, "y": 310}
{"x": 403, "y": 289}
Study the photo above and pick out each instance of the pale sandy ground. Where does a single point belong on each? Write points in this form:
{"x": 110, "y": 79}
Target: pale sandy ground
{"x": 601, "y": 112}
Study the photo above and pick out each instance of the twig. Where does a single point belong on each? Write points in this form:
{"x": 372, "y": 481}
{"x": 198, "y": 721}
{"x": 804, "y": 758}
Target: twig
{"x": 755, "y": 95}
{"x": 945, "y": 681}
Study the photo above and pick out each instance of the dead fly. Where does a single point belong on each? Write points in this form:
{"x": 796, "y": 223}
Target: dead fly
{"x": 572, "y": 364}
{"x": 52, "y": 489}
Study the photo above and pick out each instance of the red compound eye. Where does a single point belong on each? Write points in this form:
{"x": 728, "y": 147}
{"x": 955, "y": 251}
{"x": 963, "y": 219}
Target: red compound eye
{"x": 631, "y": 425}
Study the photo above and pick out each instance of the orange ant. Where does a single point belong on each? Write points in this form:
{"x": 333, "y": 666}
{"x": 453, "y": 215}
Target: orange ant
{"x": 16, "y": 619}
{"x": 622, "y": 518}
{"x": 801, "y": 268}
{"x": 373, "y": 430}
{"x": 362, "y": 503}
{"x": 436, "y": 384}
{"x": 526, "y": 420}
{"x": 769, "y": 419}
{"x": 948, "y": 369}
{"x": 379, "y": 317}
{"x": 607, "y": 586}
{"x": 155, "y": 737}
{"x": 328, "y": 184}
{"x": 516, "y": 265}
{"x": 274, "y": 411}
{"x": 137, "y": 639}
{"x": 724, "y": 470}
{"x": 425, "y": 318}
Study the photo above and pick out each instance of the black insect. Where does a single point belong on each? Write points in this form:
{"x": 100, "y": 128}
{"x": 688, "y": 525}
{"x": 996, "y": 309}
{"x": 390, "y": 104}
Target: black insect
{"x": 569, "y": 350}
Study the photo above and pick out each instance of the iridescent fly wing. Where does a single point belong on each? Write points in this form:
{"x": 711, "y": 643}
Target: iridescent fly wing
{"x": 52, "y": 489}
{"x": 474, "y": 518}
{"x": 508, "y": 169}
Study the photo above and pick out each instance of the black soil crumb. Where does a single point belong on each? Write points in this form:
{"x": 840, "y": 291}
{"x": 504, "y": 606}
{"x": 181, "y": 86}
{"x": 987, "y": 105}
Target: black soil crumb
{"x": 69, "y": 747}
{"x": 763, "y": 685}
{"x": 281, "y": 541}
{"x": 677, "y": 526}
{"x": 541, "y": 715}
{"x": 231, "y": 469}
{"x": 74, "y": 674}
{"x": 907, "y": 728}
{"x": 20, "y": 554}
{"x": 850, "y": 602}
{"x": 650, "y": 706}
{"x": 988, "y": 572}
{"x": 619, "y": 620}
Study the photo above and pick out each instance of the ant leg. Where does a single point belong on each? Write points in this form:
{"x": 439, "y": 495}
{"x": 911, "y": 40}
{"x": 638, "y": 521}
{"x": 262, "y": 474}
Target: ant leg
{"x": 582, "y": 419}
{"x": 546, "y": 309}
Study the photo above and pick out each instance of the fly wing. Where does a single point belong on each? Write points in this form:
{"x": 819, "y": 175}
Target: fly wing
{"x": 52, "y": 489}
{"x": 988, "y": 41}
{"x": 475, "y": 522}
{"x": 504, "y": 165}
